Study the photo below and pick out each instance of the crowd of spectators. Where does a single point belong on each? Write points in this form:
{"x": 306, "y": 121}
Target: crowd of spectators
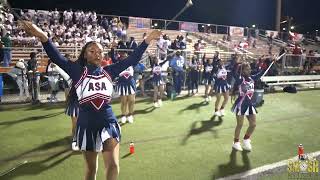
{"x": 68, "y": 28}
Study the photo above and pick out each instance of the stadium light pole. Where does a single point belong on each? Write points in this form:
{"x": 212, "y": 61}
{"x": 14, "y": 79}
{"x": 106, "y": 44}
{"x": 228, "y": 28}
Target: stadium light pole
{"x": 188, "y": 4}
{"x": 317, "y": 32}
{"x": 278, "y": 15}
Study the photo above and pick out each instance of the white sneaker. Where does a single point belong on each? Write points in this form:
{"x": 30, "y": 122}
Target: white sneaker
{"x": 123, "y": 119}
{"x": 159, "y": 102}
{"x": 207, "y": 99}
{"x": 156, "y": 104}
{"x": 130, "y": 119}
{"x": 217, "y": 113}
{"x": 222, "y": 113}
{"x": 237, "y": 146}
{"x": 247, "y": 144}
{"x": 74, "y": 146}
{"x": 210, "y": 98}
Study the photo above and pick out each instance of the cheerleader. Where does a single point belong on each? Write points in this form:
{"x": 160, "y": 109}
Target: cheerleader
{"x": 221, "y": 88}
{"x": 157, "y": 81}
{"x": 97, "y": 128}
{"x": 243, "y": 105}
{"x": 207, "y": 76}
{"x": 193, "y": 75}
{"x": 126, "y": 88}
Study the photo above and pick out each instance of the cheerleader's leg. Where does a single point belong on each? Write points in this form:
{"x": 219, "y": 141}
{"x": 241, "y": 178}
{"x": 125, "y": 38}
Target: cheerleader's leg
{"x": 237, "y": 131}
{"x": 91, "y": 160}
{"x": 155, "y": 93}
{"x": 161, "y": 89}
{"x": 110, "y": 155}
{"x": 124, "y": 105}
{"x": 225, "y": 99}
{"x": 252, "y": 125}
{"x": 217, "y": 107}
{"x": 131, "y": 102}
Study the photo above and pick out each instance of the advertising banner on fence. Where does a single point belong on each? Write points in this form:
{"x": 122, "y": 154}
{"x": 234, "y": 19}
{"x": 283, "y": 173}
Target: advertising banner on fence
{"x": 188, "y": 26}
{"x": 135, "y": 22}
{"x": 236, "y": 31}
{"x": 272, "y": 34}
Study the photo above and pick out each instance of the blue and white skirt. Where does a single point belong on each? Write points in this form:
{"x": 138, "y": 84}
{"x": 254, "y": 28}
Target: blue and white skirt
{"x": 126, "y": 89}
{"x": 72, "y": 109}
{"x": 92, "y": 139}
{"x": 207, "y": 81}
{"x": 243, "y": 108}
{"x": 221, "y": 88}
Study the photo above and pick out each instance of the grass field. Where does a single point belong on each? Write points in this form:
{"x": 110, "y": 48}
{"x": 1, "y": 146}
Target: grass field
{"x": 178, "y": 141}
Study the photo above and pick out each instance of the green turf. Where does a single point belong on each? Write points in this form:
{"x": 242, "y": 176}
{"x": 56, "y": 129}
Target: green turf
{"x": 177, "y": 141}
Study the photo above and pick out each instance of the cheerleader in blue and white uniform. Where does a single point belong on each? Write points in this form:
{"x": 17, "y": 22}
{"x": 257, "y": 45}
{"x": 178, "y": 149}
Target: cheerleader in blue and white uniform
{"x": 126, "y": 88}
{"x": 243, "y": 106}
{"x": 221, "y": 88}
{"x": 157, "y": 81}
{"x": 207, "y": 76}
{"x": 97, "y": 128}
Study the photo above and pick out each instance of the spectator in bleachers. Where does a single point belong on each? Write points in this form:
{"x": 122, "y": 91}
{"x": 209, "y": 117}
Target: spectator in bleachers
{"x": 114, "y": 42}
{"x": 144, "y": 35}
{"x": 1, "y": 50}
{"x": 174, "y": 45}
{"x": 270, "y": 38}
{"x": 19, "y": 73}
{"x": 107, "y": 60}
{"x": 163, "y": 45}
{"x": 224, "y": 38}
{"x": 132, "y": 44}
{"x": 197, "y": 48}
{"x": 229, "y": 38}
{"x": 256, "y": 33}
{"x": 182, "y": 45}
{"x": 105, "y": 23}
{"x": 254, "y": 43}
{"x": 114, "y": 25}
{"x": 93, "y": 18}
{"x": 6, "y": 39}
{"x": 56, "y": 16}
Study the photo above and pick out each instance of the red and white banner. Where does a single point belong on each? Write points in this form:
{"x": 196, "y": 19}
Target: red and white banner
{"x": 236, "y": 31}
{"x": 135, "y": 22}
{"x": 188, "y": 26}
{"x": 272, "y": 34}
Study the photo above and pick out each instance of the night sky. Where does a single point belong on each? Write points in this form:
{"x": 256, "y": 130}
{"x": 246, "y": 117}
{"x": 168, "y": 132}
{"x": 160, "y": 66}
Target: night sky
{"x": 224, "y": 12}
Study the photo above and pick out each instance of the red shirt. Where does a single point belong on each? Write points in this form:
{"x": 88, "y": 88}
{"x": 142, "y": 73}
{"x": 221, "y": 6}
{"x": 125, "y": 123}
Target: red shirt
{"x": 106, "y": 62}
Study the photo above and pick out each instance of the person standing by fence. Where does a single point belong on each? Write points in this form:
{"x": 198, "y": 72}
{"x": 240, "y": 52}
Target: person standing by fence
{"x": 6, "y": 49}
